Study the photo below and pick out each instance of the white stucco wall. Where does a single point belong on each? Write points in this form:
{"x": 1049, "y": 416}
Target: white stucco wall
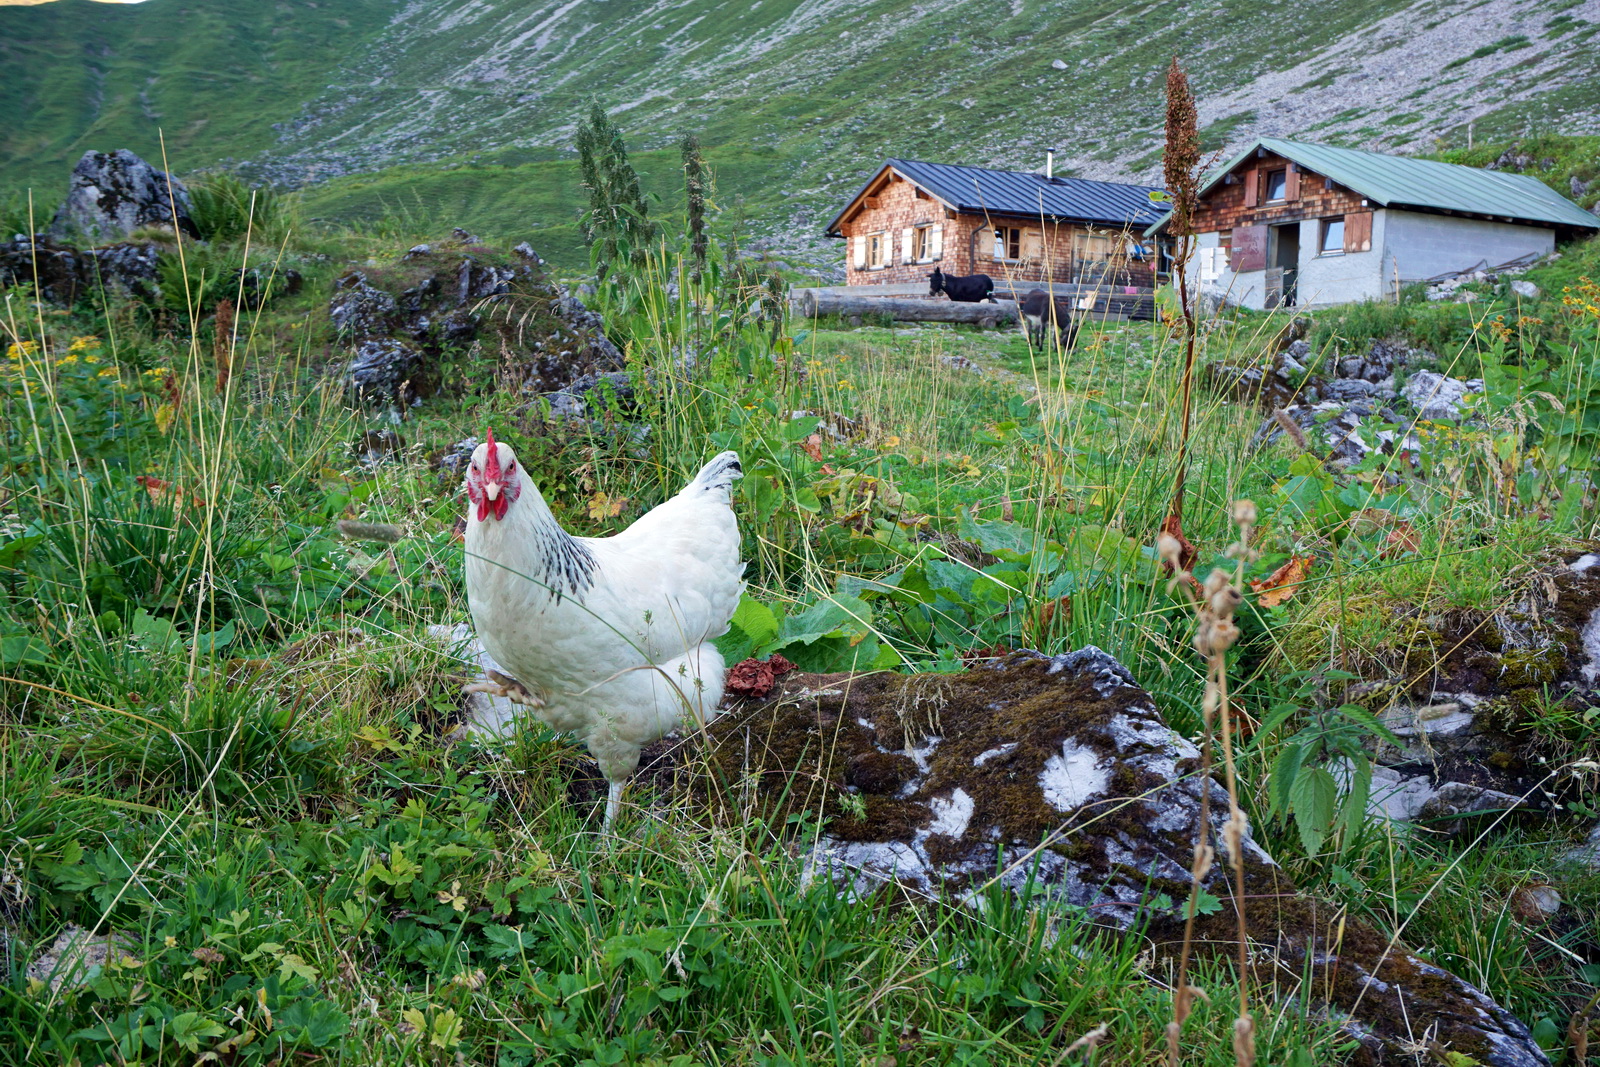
{"x": 1340, "y": 277}
{"x": 1406, "y": 245}
{"x": 1422, "y": 246}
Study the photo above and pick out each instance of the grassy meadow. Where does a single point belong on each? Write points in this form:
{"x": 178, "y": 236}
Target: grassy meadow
{"x": 224, "y": 731}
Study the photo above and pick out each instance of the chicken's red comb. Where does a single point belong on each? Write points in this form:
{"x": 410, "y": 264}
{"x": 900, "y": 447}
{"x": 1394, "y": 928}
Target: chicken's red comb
{"x": 491, "y": 466}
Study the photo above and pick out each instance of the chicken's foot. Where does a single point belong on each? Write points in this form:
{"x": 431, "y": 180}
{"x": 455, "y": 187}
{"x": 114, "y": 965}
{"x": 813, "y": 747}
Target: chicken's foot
{"x": 503, "y": 685}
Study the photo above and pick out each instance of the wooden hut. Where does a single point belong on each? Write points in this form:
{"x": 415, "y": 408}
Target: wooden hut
{"x": 1021, "y": 228}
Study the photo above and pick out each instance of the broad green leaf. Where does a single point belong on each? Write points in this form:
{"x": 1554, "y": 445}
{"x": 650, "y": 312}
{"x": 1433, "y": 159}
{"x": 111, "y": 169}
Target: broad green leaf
{"x": 316, "y": 1022}
{"x": 157, "y": 634}
{"x": 1285, "y": 769}
{"x": 216, "y": 640}
{"x": 1314, "y": 795}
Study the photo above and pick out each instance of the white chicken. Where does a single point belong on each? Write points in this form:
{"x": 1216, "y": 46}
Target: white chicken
{"x": 608, "y": 638}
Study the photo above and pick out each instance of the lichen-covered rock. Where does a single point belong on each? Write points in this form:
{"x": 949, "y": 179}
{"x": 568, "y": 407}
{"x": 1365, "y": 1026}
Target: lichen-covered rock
{"x": 488, "y": 316}
{"x": 385, "y": 369}
{"x": 1340, "y": 429}
{"x": 112, "y": 194}
{"x": 1059, "y": 776}
{"x": 76, "y": 956}
{"x": 1438, "y": 397}
{"x": 63, "y": 274}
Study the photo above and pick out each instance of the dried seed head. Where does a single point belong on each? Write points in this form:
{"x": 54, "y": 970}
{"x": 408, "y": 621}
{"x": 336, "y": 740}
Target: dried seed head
{"x": 1244, "y": 1041}
{"x": 1214, "y": 636}
{"x": 1170, "y": 550}
{"x": 1204, "y": 857}
{"x": 1244, "y": 512}
{"x": 1224, "y": 603}
{"x": 1216, "y": 581}
{"x": 1233, "y": 833}
{"x": 1211, "y": 701}
{"x": 1224, "y": 633}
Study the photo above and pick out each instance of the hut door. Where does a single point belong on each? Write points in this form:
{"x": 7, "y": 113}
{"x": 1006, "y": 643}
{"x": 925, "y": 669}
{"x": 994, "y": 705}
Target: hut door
{"x": 1283, "y": 268}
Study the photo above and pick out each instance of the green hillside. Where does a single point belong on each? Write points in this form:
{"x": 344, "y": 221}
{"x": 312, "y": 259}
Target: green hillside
{"x": 210, "y": 75}
{"x": 474, "y": 100}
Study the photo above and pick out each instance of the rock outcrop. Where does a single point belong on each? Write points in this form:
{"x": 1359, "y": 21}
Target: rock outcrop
{"x": 1055, "y": 778}
{"x": 113, "y": 194}
{"x": 63, "y": 274}
{"x": 461, "y": 304}
{"x": 1471, "y": 685}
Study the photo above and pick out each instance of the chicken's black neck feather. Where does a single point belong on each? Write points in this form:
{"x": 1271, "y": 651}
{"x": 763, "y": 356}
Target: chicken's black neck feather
{"x": 569, "y": 566}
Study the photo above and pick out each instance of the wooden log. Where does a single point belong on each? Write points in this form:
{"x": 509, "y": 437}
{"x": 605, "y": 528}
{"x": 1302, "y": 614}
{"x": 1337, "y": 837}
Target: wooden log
{"x": 909, "y": 289}
{"x": 812, "y": 303}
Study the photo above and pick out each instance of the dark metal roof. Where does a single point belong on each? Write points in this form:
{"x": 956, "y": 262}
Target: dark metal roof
{"x": 1018, "y": 193}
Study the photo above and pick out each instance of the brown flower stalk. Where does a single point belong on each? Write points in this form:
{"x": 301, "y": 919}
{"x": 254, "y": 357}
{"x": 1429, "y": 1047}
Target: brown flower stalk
{"x": 1181, "y": 172}
{"x": 222, "y": 344}
{"x": 1215, "y": 602}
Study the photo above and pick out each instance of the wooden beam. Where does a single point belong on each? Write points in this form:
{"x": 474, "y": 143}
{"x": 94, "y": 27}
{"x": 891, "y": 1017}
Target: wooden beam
{"x": 816, "y": 302}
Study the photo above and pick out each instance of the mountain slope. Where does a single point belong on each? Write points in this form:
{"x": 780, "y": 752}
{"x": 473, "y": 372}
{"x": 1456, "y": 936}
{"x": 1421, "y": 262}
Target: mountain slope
{"x": 212, "y": 75}
{"x": 304, "y": 92}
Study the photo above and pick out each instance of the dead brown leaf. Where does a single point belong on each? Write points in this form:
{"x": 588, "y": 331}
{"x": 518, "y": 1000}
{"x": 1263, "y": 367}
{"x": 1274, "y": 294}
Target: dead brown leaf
{"x": 604, "y": 506}
{"x": 755, "y": 678}
{"x": 1282, "y": 583}
{"x": 813, "y": 446}
{"x": 1187, "y": 553}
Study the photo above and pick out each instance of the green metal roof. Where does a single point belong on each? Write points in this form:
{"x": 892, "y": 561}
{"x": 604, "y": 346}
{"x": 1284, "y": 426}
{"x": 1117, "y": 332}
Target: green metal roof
{"x": 1421, "y": 184}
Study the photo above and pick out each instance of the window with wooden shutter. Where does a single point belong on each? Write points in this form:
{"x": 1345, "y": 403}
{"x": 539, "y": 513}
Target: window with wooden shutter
{"x": 1291, "y": 186}
{"x": 908, "y": 254}
{"x": 1032, "y": 244}
{"x": 936, "y": 241}
{"x": 1358, "y": 231}
{"x": 1252, "y": 188}
{"x": 877, "y": 252}
{"x": 1332, "y": 243}
{"x": 861, "y": 252}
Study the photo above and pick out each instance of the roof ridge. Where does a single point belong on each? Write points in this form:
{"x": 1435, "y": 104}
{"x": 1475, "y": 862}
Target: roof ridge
{"x": 1024, "y": 173}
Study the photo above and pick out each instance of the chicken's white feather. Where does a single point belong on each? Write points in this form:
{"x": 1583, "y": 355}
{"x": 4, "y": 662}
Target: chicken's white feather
{"x": 613, "y": 634}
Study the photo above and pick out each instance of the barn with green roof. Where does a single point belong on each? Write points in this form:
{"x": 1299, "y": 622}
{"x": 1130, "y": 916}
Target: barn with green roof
{"x": 1287, "y": 223}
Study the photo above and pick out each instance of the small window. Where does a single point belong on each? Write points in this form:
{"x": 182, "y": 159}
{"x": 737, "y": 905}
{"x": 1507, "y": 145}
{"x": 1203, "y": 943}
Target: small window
{"x": 1007, "y": 243}
{"x": 921, "y": 250}
{"x": 875, "y": 251}
{"x": 1277, "y": 184}
{"x": 1332, "y": 237}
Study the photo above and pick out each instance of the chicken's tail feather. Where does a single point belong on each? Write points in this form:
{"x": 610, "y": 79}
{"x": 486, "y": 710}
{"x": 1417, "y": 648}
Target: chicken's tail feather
{"x": 718, "y": 474}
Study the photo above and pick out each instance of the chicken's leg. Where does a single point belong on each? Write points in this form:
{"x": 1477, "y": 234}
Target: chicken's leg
{"x": 503, "y": 685}
{"x": 613, "y": 806}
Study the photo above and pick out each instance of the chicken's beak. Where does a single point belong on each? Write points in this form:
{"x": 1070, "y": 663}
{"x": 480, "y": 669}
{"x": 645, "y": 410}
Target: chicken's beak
{"x": 494, "y": 498}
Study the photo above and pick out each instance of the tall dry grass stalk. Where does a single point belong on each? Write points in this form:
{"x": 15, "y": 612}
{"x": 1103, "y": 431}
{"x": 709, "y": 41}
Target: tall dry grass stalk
{"x": 1215, "y": 602}
{"x": 1181, "y": 172}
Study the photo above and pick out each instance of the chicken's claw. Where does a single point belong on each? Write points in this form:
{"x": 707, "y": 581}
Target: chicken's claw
{"x": 503, "y": 685}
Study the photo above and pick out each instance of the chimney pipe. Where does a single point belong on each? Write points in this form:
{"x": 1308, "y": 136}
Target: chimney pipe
{"x": 1049, "y": 162}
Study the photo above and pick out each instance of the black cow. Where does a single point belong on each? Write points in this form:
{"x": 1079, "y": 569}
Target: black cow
{"x": 1037, "y": 311}
{"x": 971, "y": 289}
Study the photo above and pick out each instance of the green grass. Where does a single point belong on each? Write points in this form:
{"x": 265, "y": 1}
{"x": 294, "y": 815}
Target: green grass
{"x": 222, "y": 729}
